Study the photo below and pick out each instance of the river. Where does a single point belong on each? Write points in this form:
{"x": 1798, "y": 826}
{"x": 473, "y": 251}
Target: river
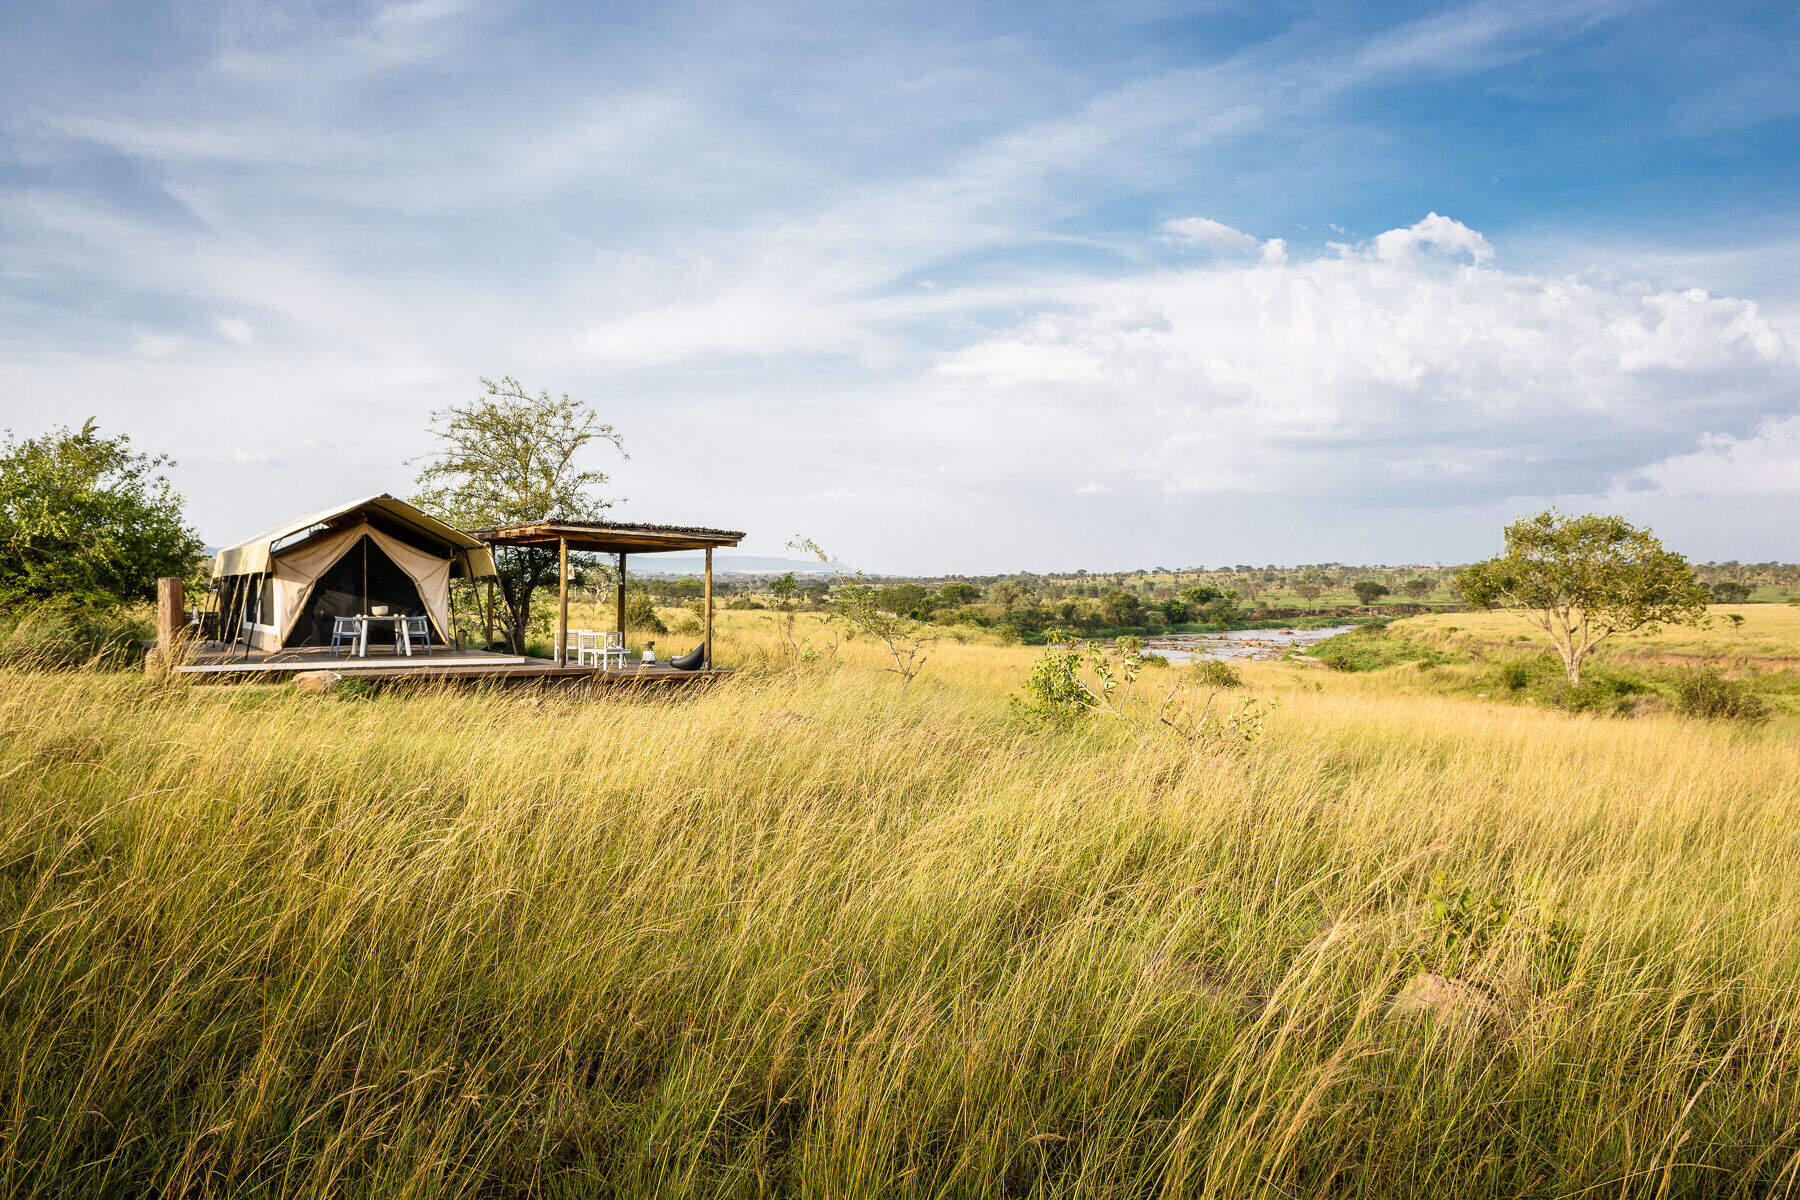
{"x": 1242, "y": 643}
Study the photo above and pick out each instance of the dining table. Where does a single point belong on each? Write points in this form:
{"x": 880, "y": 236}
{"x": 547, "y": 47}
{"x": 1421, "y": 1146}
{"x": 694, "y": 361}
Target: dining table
{"x": 364, "y": 620}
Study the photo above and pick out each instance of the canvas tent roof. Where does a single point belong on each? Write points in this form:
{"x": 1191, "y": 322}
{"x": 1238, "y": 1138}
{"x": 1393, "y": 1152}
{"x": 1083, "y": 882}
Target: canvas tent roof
{"x": 252, "y": 557}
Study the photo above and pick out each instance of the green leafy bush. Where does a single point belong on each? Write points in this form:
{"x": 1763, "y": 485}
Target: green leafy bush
{"x": 1707, "y": 693}
{"x": 1604, "y": 693}
{"x": 1213, "y": 672}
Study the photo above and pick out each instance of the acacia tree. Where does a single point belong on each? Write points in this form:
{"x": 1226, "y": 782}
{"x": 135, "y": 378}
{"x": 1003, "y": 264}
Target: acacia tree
{"x": 1583, "y": 579}
{"x": 508, "y": 456}
{"x": 85, "y": 518}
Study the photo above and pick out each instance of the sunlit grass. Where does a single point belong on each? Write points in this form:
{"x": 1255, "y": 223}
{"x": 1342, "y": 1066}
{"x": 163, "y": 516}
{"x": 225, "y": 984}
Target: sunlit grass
{"x": 1768, "y": 631}
{"x": 811, "y": 932}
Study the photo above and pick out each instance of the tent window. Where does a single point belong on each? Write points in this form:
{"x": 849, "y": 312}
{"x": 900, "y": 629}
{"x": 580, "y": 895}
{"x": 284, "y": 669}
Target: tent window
{"x": 259, "y": 602}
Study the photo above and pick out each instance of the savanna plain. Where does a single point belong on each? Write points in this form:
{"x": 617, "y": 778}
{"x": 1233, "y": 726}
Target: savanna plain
{"x": 813, "y": 931}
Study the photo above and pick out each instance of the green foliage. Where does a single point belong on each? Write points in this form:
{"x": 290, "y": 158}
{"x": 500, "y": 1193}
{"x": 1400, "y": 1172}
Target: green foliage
{"x": 640, "y": 613}
{"x": 1602, "y": 693}
{"x": 1464, "y": 919}
{"x": 1370, "y": 648}
{"x": 1217, "y": 673}
{"x": 905, "y": 600}
{"x": 957, "y": 593}
{"x": 87, "y": 521}
{"x": 1075, "y": 678}
{"x": 61, "y": 636}
{"x": 858, "y": 606}
{"x": 1582, "y": 579}
{"x": 1707, "y": 693}
{"x": 1220, "y": 610}
{"x": 1368, "y": 591}
{"x": 1728, "y": 591}
{"x": 1517, "y": 674}
{"x": 1175, "y": 612}
{"x": 1466, "y": 922}
{"x": 507, "y": 457}
{"x": 1417, "y": 587}
{"x": 1121, "y": 608}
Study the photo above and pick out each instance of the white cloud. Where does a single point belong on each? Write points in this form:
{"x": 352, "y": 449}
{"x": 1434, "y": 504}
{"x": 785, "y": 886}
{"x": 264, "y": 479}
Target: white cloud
{"x": 1766, "y": 461}
{"x": 235, "y": 329}
{"x": 1433, "y": 233}
{"x": 1202, "y": 231}
{"x": 1392, "y": 372}
{"x": 1092, "y": 488}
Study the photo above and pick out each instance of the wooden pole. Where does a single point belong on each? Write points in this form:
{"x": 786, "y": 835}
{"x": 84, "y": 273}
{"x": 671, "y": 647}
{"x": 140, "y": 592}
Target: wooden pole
{"x": 490, "y": 612}
{"x": 169, "y": 621}
{"x": 562, "y": 606}
{"x": 708, "y": 635}
{"x": 619, "y": 599}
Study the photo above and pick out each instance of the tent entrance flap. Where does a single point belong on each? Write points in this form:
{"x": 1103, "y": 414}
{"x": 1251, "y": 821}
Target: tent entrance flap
{"x": 354, "y": 580}
{"x": 363, "y": 579}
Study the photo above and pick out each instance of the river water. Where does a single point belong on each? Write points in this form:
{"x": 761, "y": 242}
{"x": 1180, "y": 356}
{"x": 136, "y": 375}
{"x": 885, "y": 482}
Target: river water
{"x": 1242, "y": 643}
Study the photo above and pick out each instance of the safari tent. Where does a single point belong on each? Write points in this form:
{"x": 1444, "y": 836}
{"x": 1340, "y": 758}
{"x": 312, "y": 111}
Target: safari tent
{"x": 282, "y": 588}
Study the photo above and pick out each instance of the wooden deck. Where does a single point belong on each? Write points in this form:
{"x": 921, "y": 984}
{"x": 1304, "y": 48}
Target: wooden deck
{"x": 462, "y": 665}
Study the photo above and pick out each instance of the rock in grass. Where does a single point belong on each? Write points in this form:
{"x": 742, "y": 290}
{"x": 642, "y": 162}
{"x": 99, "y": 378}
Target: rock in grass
{"x": 317, "y": 681}
{"x": 1445, "y": 998}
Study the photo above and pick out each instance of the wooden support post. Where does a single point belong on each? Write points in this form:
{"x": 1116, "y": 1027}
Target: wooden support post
{"x": 562, "y": 606}
{"x": 619, "y": 599}
{"x": 169, "y": 616}
{"x": 708, "y": 634}
{"x": 490, "y": 612}
{"x": 170, "y": 620}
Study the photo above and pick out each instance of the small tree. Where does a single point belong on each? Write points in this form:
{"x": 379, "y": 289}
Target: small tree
{"x": 1728, "y": 591}
{"x": 1307, "y": 591}
{"x": 85, "y": 518}
{"x": 1418, "y": 587}
{"x": 1368, "y": 591}
{"x": 1583, "y": 579}
{"x": 784, "y": 588}
{"x": 507, "y": 457}
{"x": 1121, "y": 608}
{"x": 954, "y": 593}
{"x": 857, "y": 605}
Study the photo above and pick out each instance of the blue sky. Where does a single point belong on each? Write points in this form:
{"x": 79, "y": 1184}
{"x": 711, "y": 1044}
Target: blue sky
{"x": 947, "y": 288}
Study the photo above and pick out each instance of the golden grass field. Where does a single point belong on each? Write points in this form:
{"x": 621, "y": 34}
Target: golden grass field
{"x": 811, "y": 933}
{"x": 1769, "y": 632}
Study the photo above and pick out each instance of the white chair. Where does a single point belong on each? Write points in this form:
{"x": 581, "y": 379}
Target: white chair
{"x": 345, "y": 629}
{"x": 416, "y": 629}
{"x": 598, "y": 647}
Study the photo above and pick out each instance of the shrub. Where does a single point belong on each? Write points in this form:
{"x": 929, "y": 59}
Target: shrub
{"x": 640, "y": 613}
{"x": 1705, "y": 692}
{"x": 1604, "y": 693}
{"x": 1213, "y": 672}
{"x": 1517, "y": 674}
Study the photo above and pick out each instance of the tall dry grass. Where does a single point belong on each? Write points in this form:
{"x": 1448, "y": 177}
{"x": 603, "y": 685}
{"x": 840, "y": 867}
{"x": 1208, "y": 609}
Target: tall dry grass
{"x": 815, "y": 934}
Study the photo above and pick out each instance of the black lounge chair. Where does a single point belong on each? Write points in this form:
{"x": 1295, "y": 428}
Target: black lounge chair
{"x": 692, "y": 661}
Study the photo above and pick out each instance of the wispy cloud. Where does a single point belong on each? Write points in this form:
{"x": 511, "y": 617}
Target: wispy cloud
{"x": 958, "y": 258}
